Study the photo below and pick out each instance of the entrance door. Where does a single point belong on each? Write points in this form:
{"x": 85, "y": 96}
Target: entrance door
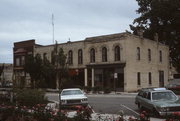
{"x": 120, "y": 82}
{"x": 161, "y": 78}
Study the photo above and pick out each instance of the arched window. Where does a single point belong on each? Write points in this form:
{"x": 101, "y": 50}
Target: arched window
{"x": 92, "y": 55}
{"x": 117, "y": 53}
{"x": 138, "y": 53}
{"x": 149, "y": 54}
{"x": 160, "y": 56}
{"x": 104, "y": 54}
{"x": 80, "y": 56}
{"x": 70, "y": 57}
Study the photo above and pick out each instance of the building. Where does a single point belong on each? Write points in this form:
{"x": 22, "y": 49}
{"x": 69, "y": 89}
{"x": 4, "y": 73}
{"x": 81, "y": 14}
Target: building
{"x": 20, "y": 51}
{"x": 7, "y": 72}
{"x": 122, "y": 61}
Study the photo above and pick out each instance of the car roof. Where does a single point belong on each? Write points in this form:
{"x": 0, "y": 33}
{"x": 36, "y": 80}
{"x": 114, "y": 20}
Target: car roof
{"x": 71, "y": 89}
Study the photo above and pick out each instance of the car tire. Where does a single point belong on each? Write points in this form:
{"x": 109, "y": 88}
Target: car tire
{"x": 155, "y": 113}
{"x": 140, "y": 107}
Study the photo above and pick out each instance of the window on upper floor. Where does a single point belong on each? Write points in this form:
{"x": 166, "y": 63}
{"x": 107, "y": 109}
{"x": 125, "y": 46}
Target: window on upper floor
{"x": 44, "y": 56}
{"x": 138, "y": 78}
{"x": 17, "y": 61}
{"x": 104, "y": 54}
{"x": 160, "y": 56}
{"x": 138, "y": 53}
{"x": 92, "y": 55}
{"x": 117, "y": 53}
{"x": 149, "y": 54}
{"x": 22, "y": 60}
{"x": 70, "y": 57}
{"x": 80, "y": 56}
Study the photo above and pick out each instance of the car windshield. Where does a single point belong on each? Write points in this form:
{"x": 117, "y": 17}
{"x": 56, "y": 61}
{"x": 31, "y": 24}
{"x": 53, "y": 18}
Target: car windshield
{"x": 163, "y": 96}
{"x": 71, "y": 92}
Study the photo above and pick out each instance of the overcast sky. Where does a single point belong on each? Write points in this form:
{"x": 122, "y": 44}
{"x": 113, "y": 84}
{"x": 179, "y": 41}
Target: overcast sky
{"x": 75, "y": 19}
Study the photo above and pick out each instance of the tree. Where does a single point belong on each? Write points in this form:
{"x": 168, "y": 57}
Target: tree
{"x": 1, "y": 70}
{"x": 161, "y": 17}
{"x": 48, "y": 75}
{"x": 58, "y": 59}
{"x": 33, "y": 66}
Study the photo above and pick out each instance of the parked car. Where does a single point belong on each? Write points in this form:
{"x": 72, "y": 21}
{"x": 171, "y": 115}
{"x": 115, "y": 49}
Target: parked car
{"x": 174, "y": 84}
{"x": 73, "y": 96}
{"x": 159, "y": 101}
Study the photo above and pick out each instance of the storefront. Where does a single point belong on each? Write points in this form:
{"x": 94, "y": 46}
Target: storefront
{"x": 106, "y": 76}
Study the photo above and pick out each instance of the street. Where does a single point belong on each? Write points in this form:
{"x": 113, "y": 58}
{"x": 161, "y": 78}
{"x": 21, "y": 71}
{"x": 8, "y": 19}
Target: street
{"x": 110, "y": 104}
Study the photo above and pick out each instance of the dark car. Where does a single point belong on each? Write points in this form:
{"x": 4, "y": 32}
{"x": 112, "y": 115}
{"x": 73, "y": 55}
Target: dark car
{"x": 158, "y": 101}
{"x": 174, "y": 84}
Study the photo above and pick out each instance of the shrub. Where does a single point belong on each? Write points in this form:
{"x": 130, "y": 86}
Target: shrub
{"x": 107, "y": 90}
{"x": 96, "y": 89}
{"x": 87, "y": 89}
{"x": 30, "y": 97}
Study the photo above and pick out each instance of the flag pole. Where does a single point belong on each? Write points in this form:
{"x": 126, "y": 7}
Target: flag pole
{"x": 53, "y": 27}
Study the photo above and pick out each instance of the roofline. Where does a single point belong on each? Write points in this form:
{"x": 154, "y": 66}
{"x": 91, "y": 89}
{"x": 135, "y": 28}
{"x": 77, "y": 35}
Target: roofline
{"x": 86, "y": 39}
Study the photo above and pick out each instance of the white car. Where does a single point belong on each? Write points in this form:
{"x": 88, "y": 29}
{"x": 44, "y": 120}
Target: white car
{"x": 73, "y": 96}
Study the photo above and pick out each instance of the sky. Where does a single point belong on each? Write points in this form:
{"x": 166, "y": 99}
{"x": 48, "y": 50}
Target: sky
{"x": 73, "y": 19}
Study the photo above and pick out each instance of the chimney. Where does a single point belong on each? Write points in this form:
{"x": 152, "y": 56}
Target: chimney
{"x": 140, "y": 33}
{"x": 156, "y": 38}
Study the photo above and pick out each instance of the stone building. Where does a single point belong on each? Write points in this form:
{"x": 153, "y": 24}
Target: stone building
{"x": 122, "y": 61}
{"x": 7, "y": 72}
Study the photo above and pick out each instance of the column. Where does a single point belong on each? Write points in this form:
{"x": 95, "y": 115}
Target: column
{"x": 92, "y": 77}
{"x": 85, "y": 77}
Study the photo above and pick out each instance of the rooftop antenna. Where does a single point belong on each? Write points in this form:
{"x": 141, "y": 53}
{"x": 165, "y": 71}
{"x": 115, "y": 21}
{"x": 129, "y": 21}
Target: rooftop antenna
{"x": 53, "y": 27}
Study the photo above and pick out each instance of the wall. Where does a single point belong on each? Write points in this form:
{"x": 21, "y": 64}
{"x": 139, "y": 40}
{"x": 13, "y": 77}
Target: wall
{"x": 144, "y": 66}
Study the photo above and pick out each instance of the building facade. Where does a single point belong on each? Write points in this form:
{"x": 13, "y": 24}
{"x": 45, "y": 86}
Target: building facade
{"x": 20, "y": 51}
{"x": 122, "y": 61}
{"x": 7, "y": 72}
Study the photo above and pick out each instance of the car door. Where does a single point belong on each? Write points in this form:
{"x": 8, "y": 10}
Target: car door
{"x": 146, "y": 100}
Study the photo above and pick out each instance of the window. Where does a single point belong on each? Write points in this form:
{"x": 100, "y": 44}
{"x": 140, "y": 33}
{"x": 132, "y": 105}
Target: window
{"x": 22, "y": 60}
{"x": 44, "y": 56}
{"x": 150, "y": 78}
{"x": 149, "y": 54}
{"x": 138, "y": 53}
{"x": 139, "y": 78}
{"x": 80, "y": 56}
{"x": 92, "y": 55}
{"x": 160, "y": 56}
{"x": 17, "y": 62}
{"x": 70, "y": 57}
{"x": 117, "y": 53}
{"x": 104, "y": 54}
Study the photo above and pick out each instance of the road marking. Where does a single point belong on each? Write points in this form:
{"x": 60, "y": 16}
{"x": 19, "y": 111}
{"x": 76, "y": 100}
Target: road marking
{"x": 91, "y": 108}
{"x": 130, "y": 109}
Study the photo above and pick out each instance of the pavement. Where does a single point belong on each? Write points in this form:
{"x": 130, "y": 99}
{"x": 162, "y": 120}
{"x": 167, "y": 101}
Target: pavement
{"x": 95, "y": 115}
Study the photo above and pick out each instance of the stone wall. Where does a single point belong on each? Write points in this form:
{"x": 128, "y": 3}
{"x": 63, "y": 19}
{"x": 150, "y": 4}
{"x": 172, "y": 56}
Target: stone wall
{"x": 128, "y": 45}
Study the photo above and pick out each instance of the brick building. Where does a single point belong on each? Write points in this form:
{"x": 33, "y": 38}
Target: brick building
{"x": 20, "y": 50}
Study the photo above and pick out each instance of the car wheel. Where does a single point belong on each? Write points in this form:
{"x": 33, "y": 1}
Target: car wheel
{"x": 140, "y": 107}
{"x": 155, "y": 113}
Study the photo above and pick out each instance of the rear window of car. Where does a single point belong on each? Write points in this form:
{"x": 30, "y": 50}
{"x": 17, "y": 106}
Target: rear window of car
{"x": 166, "y": 95}
{"x": 71, "y": 92}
